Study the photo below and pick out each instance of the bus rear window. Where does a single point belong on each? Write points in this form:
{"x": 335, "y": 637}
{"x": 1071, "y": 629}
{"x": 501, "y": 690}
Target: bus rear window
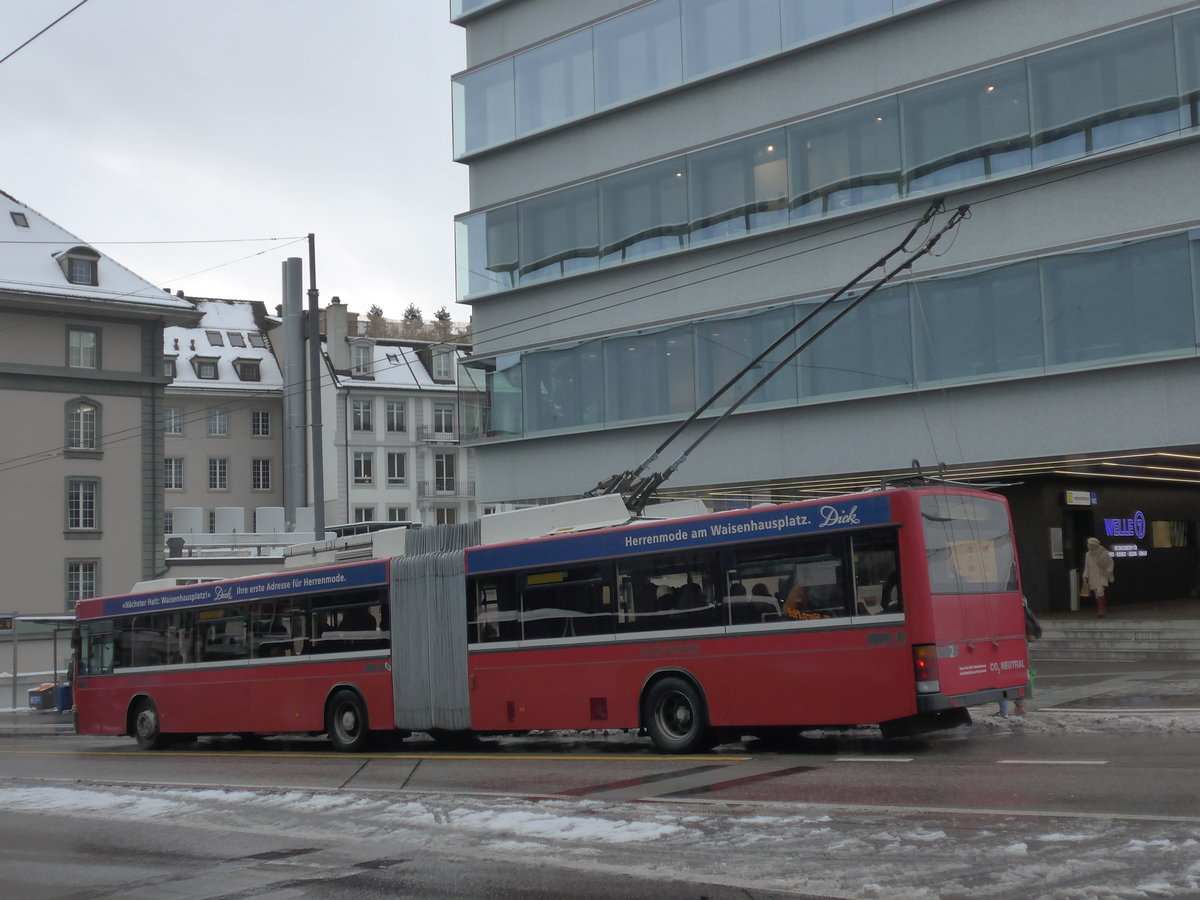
{"x": 968, "y": 544}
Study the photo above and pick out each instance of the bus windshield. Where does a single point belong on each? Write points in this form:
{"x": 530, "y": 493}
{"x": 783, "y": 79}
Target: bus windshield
{"x": 968, "y": 544}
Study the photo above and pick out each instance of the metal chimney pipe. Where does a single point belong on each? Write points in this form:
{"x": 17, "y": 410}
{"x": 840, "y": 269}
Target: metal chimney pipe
{"x": 294, "y": 424}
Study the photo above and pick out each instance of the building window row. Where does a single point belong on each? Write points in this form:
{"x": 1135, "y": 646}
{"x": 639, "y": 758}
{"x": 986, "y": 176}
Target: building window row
{"x": 218, "y": 422}
{"x": 1135, "y": 300}
{"x": 637, "y": 53}
{"x": 218, "y": 474}
{"x": 362, "y": 418}
{"x": 1103, "y": 94}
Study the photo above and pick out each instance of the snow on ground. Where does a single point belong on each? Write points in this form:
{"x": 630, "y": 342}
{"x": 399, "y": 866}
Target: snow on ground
{"x": 831, "y": 851}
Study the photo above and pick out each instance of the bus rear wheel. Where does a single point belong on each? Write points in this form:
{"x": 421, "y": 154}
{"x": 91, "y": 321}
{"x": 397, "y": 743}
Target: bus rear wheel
{"x": 146, "y": 728}
{"x": 346, "y": 722}
{"x": 674, "y": 717}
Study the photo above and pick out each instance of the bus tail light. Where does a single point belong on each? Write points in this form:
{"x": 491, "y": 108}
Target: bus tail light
{"x": 925, "y": 668}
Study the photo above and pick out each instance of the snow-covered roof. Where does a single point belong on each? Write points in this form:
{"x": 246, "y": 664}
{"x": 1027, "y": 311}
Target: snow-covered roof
{"x": 230, "y": 333}
{"x": 30, "y": 249}
{"x": 396, "y": 364}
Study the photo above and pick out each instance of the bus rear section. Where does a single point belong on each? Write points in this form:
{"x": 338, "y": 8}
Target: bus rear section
{"x": 968, "y": 630}
{"x": 897, "y": 608}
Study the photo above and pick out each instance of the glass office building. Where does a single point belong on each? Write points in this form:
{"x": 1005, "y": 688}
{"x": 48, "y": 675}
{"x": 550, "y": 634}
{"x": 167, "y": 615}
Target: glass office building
{"x": 659, "y": 190}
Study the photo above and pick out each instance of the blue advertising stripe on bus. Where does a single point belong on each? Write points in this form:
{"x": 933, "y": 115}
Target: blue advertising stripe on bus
{"x": 278, "y": 584}
{"x": 752, "y": 525}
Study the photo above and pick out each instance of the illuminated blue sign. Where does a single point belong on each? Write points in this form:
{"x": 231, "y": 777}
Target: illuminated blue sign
{"x": 1127, "y": 528}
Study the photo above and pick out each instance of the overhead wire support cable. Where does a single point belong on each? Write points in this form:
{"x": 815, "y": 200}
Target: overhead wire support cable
{"x": 639, "y": 492}
{"x": 626, "y": 481}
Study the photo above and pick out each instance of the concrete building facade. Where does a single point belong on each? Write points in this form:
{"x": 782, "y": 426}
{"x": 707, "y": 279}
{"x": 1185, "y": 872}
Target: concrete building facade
{"x": 81, "y": 382}
{"x": 659, "y": 189}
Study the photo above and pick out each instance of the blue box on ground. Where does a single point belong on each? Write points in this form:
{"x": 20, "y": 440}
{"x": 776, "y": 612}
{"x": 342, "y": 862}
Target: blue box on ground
{"x": 62, "y": 697}
{"x": 42, "y": 697}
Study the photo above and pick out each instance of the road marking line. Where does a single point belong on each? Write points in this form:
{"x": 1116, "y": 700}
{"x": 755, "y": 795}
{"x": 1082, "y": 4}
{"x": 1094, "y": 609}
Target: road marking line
{"x": 1133, "y": 711}
{"x": 1052, "y": 762}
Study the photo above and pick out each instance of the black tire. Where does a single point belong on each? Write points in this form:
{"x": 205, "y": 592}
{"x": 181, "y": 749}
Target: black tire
{"x": 675, "y": 718}
{"x": 146, "y": 727}
{"x": 346, "y": 722}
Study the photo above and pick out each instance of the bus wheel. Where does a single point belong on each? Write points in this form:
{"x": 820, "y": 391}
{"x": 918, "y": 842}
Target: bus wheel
{"x": 674, "y": 717}
{"x": 146, "y": 728}
{"x": 346, "y": 722}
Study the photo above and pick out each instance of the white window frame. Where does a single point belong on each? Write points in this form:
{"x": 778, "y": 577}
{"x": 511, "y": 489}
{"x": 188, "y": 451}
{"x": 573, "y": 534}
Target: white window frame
{"x": 396, "y": 416}
{"x": 173, "y": 473}
{"x": 362, "y": 414}
{"x": 397, "y": 467}
{"x": 363, "y": 467}
{"x": 218, "y": 473}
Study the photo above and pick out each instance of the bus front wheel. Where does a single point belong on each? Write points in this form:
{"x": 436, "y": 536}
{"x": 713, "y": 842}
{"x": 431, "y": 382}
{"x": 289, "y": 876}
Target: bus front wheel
{"x": 146, "y": 728}
{"x": 346, "y": 722}
{"x": 674, "y": 717}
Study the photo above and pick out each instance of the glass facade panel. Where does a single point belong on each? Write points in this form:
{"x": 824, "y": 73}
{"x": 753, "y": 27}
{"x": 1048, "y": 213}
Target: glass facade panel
{"x": 559, "y": 234}
{"x": 637, "y": 53}
{"x": 967, "y": 129}
{"x": 1107, "y": 92}
{"x": 869, "y": 350}
{"x": 486, "y": 252}
{"x": 649, "y": 375}
{"x": 565, "y": 388}
{"x": 484, "y": 108}
{"x": 718, "y": 34}
{"x": 490, "y": 398}
{"x": 644, "y": 212}
{"x": 725, "y": 346}
{"x": 979, "y": 324}
{"x": 846, "y": 159}
{"x": 738, "y": 188}
{"x": 807, "y": 20}
{"x": 1187, "y": 48}
{"x": 1084, "y": 307}
{"x": 1119, "y": 302}
{"x": 554, "y": 82}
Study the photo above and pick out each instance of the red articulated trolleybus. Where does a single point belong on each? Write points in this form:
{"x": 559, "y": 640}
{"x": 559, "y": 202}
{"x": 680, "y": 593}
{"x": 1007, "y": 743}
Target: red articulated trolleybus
{"x": 899, "y": 607}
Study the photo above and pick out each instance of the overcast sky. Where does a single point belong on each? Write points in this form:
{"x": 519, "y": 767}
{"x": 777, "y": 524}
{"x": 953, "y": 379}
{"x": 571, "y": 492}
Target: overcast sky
{"x": 211, "y": 120}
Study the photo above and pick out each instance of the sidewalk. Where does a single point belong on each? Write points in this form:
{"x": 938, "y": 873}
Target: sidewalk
{"x": 35, "y": 721}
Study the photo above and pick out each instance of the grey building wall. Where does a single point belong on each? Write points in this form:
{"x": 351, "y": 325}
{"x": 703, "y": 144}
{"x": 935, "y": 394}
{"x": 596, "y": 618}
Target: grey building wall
{"x": 1139, "y": 192}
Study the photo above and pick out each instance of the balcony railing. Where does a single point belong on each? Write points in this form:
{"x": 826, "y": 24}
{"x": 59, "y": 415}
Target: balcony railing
{"x": 448, "y": 489}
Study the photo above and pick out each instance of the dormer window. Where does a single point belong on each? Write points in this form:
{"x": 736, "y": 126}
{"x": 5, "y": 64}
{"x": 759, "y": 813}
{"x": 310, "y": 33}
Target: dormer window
{"x": 247, "y": 369}
{"x": 205, "y": 367}
{"x": 443, "y": 365}
{"x": 19, "y": 219}
{"x": 80, "y": 265}
{"x": 215, "y": 339}
{"x": 361, "y": 357}
{"x": 169, "y": 367}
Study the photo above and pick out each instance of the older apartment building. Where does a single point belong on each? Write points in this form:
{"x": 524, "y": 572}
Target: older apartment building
{"x": 81, "y": 385}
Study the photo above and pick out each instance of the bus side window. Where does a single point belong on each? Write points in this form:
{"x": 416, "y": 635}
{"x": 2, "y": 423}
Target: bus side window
{"x": 96, "y": 651}
{"x": 876, "y": 574}
{"x": 806, "y": 575}
{"x": 271, "y": 629}
{"x": 492, "y": 609}
{"x": 573, "y": 602}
